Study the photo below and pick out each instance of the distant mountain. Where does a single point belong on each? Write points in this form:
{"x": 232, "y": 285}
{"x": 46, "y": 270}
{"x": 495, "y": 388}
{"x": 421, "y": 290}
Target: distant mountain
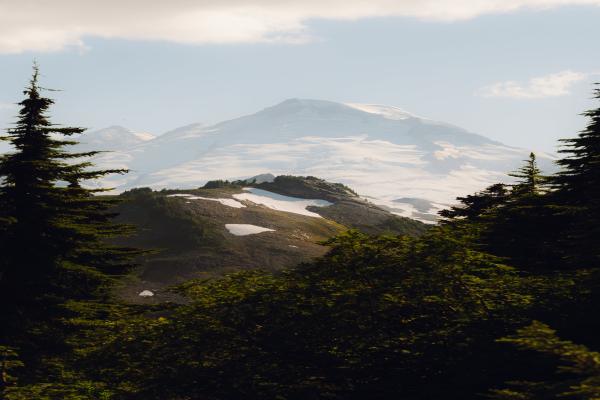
{"x": 113, "y": 138}
{"x": 412, "y": 165}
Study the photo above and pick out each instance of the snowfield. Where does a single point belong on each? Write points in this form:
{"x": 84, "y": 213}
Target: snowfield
{"x": 246, "y": 229}
{"x": 226, "y": 202}
{"x": 281, "y": 203}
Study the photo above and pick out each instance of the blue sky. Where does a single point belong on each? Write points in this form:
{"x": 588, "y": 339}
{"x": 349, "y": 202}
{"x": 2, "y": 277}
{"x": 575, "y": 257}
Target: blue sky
{"x": 519, "y": 75}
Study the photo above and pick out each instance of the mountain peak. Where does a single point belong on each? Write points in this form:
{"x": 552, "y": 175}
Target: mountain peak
{"x": 326, "y": 107}
{"x": 114, "y": 128}
{"x": 302, "y": 102}
{"x": 115, "y": 131}
{"x": 384, "y": 151}
{"x": 298, "y": 104}
{"x": 388, "y": 112}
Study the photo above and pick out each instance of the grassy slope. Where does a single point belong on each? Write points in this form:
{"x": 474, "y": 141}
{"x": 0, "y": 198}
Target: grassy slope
{"x": 192, "y": 241}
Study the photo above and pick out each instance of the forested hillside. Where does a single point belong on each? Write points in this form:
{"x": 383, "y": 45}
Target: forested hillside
{"x": 499, "y": 300}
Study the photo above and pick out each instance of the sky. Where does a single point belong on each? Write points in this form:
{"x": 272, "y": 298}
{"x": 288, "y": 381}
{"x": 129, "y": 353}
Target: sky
{"x": 517, "y": 71}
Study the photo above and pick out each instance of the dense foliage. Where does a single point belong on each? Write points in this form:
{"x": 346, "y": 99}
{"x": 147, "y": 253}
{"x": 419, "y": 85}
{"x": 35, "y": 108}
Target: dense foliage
{"x": 452, "y": 314}
{"x": 357, "y": 322}
{"x": 577, "y": 377}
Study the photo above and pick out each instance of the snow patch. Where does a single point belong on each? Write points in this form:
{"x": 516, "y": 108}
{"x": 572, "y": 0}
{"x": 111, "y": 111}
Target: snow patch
{"x": 388, "y": 112}
{"x": 280, "y": 202}
{"x": 226, "y": 202}
{"x": 246, "y": 229}
{"x": 146, "y": 293}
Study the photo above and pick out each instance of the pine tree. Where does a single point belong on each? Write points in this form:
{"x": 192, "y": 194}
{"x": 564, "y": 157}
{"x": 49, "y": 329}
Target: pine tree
{"x": 521, "y": 230}
{"x": 54, "y": 234}
{"x": 475, "y": 206}
{"x": 577, "y": 378}
{"x": 510, "y": 221}
{"x": 529, "y": 176}
{"x": 577, "y": 193}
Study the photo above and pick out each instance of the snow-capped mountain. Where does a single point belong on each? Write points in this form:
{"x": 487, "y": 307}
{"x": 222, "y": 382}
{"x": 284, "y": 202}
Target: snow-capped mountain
{"x": 410, "y": 164}
{"x": 113, "y": 138}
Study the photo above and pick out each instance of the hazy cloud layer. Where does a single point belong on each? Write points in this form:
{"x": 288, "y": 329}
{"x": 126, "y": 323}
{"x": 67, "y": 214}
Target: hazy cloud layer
{"x": 552, "y": 85}
{"x": 40, "y": 25}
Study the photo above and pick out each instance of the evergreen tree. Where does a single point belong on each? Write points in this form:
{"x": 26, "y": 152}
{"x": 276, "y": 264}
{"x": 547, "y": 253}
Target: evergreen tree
{"x": 523, "y": 229}
{"x": 577, "y": 376}
{"x": 529, "y": 176}
{"x": 577, "y": 194}
{"x": 54, "y": 235}
{"x": 475, "y": 206}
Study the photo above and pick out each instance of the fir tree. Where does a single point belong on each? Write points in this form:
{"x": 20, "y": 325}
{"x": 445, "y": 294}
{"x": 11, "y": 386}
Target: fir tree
{"x": 510, "y": 221}
{"x": 578, "y": 376}
{"x": 475, "y": 206}
{"x": 520, "y": 230}
{"x": 529, "y": 176}
{"x": 54, "y": 234}
{"x": 577, "y": 194}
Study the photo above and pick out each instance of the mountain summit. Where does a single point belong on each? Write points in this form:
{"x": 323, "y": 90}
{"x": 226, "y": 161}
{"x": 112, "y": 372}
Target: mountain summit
{"x": 383, "y": 152}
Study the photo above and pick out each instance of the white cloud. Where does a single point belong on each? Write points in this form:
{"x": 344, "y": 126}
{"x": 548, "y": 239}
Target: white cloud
{"x": 40, "y": 25}
{"x": 552, "y": 85}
